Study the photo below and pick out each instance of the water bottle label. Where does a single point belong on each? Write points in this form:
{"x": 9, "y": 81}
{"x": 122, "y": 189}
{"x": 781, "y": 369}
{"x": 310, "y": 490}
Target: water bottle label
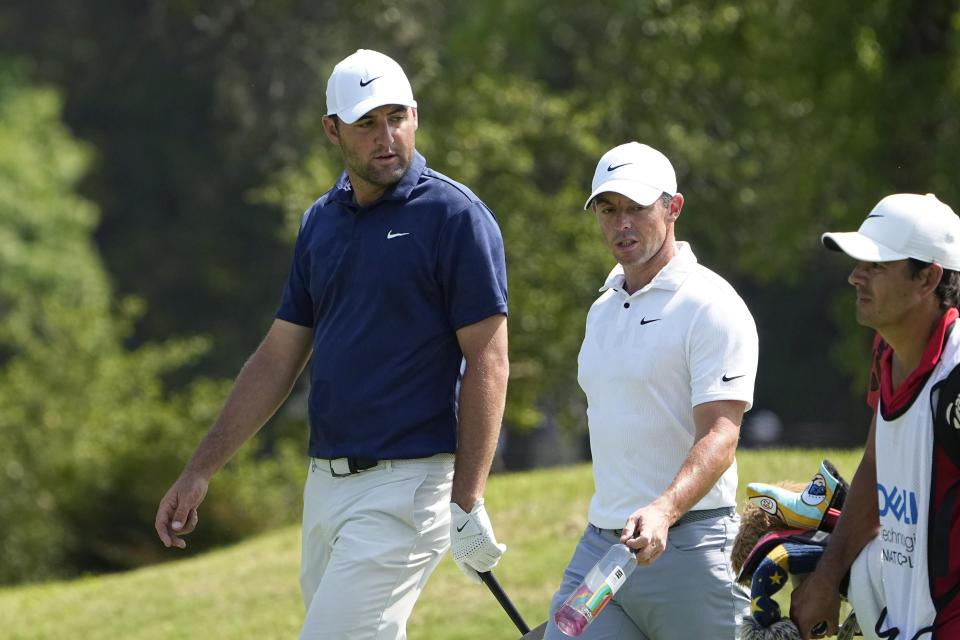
{"x": 616, "y": 578}
{"x": 589, "y": 603}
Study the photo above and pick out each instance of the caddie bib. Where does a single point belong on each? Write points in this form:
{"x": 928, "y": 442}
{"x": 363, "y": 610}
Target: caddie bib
{"x": 904, "y": 452}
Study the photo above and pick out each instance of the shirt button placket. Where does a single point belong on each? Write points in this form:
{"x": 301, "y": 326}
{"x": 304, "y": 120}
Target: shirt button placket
{"x": 622, "y": 316}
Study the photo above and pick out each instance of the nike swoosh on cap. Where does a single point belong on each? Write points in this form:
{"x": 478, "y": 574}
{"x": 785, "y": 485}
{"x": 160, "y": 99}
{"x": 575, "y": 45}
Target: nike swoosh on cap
{"x": 645, "y": 321}
{"x": 363, "y": 84}
{"x": 610, "y": 167}
{"x": 875, "y": 215}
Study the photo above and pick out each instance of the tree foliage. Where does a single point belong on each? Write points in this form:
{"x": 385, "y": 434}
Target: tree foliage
{"x": 90, "y": 434}
{"x": 201, "y": 147}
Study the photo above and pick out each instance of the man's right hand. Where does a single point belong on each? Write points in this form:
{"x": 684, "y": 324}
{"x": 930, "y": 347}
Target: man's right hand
{"x": 816, "y": 600}
{"x": 177, "y": 513}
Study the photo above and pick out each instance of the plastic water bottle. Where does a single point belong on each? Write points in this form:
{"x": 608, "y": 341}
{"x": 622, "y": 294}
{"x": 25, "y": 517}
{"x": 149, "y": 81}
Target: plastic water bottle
{"x": 596, "y": 590}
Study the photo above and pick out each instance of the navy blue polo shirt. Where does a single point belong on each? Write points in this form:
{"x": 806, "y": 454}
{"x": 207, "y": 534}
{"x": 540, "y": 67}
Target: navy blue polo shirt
{"x": 385, "y": 287}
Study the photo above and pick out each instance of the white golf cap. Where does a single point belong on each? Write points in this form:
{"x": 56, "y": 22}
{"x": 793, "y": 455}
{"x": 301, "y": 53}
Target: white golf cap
{"x": 636, "y": 171}
{"x": 366, "y": 80}
{"x": 904, "y": 225}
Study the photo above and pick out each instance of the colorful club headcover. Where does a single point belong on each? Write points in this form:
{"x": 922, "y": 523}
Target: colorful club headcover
{"x": 790, "y": 557}
{"x": 808, "y": 509}
{"x": 767, "y": 545}
{"x": 782, "y": 629}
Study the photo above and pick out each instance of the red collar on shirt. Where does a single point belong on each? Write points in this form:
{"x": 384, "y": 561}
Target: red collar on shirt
{"x": 881, "y": 386}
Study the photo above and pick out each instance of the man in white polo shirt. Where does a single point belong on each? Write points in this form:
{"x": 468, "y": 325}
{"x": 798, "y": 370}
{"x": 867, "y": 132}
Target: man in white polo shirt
{"x": 668, "y": 364}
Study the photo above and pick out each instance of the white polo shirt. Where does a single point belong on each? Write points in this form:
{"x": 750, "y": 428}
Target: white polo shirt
{"x": 646, "y": 360}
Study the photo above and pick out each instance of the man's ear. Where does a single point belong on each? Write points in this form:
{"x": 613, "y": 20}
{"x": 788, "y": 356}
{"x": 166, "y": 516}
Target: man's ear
{"x": 931, "y": 276}
{"x": 676, "y": 204}
{"x": 330, "y": 128}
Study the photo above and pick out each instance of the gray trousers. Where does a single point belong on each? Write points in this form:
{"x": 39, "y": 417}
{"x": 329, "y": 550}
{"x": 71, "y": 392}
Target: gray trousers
{"x": 688, "y": 593}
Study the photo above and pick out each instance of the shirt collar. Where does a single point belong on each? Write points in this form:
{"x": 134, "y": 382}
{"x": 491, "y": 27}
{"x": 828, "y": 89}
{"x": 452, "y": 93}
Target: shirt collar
{"x": 670, "y": 277}
{"x": 343, "y": 191}
{"x": 895, "y": 399}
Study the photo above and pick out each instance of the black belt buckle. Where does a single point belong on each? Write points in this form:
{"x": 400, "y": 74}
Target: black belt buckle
{"x": 354, "y": 466}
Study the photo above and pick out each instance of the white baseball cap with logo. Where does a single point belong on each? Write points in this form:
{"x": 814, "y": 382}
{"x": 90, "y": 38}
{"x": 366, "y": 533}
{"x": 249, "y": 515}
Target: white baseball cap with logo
{"x": 901, "y": 226}
{"x": 366, "y": 80}
{"x": 636, "y": 171}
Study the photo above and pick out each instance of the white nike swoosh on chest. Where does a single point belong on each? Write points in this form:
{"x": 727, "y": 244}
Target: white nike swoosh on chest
{"x": 391, "y": 235}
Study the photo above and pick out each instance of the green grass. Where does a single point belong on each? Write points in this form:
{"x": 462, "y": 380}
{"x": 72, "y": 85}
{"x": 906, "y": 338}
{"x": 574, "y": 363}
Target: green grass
{"x": 250, "y": 591}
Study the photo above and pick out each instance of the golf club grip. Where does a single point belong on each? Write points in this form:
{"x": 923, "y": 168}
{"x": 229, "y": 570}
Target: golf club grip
{"x": 501, "y": 596}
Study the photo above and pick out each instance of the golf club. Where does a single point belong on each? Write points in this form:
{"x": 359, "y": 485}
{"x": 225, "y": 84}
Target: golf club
{"x": 504, "y": 600}
{"x": 536, "y": 634}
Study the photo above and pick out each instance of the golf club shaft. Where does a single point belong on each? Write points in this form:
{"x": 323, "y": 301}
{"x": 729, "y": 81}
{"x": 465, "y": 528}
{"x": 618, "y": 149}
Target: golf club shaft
{"x": 501, "y": 596}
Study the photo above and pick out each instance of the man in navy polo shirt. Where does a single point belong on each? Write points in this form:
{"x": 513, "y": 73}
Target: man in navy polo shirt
{"x": 398, "y": 290}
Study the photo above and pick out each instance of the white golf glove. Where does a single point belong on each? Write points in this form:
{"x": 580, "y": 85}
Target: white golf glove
{"x": 472, "y": 543}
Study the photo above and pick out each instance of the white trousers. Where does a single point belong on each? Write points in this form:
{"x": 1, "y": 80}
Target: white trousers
{"x": 370, "y": 541}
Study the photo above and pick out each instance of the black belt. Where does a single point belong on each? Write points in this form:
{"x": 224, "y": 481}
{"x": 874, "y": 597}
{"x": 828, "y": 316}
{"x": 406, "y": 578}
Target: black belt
{"x": 341, "y": 467}
{"x": 694, "y": 516}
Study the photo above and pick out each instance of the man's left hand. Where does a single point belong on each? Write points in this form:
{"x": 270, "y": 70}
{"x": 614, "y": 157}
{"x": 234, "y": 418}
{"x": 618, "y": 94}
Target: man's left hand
{"x": 472, "y": 543}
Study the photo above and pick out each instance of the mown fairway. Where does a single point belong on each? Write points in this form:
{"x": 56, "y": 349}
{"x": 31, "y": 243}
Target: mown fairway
{"x": 250, "y": 591}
